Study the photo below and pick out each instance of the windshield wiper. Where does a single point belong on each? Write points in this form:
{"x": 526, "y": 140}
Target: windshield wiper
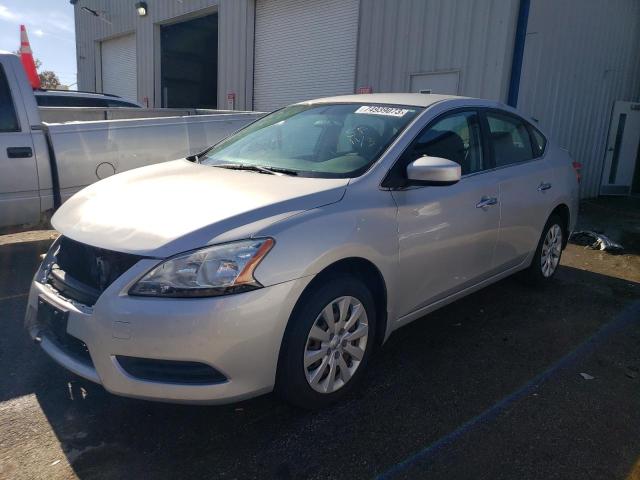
{"x": 282, "y": 171}
{"x": 257, "y": 168}
{"x": 238, "y": 166}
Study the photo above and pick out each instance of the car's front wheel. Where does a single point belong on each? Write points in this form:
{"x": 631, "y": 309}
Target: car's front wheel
{"x": 327, "y": 344}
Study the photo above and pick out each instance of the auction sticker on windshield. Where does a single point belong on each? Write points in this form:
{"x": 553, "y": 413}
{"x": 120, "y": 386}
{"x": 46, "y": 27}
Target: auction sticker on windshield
{"x": 378, "y": 110}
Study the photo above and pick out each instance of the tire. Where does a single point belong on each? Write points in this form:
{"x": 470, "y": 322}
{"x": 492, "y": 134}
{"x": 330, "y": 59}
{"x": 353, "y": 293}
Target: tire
{"x": 546, "y": 259}
{"x": 333, "y": 349}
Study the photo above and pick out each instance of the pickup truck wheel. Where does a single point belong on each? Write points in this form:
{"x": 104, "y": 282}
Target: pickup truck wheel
{"x": 327, "y": 344}
{"x": 548, "y": 253}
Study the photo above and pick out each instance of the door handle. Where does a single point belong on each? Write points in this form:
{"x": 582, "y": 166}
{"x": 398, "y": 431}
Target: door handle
{"x": 486, "y": 202}
{"x": 19, "y": 152}
{"x": 544, "y": 186}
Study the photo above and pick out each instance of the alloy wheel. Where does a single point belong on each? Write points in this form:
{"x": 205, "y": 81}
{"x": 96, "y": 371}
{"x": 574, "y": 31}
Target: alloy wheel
{"x": 551, "y": 250}
{"x": 336, "y": 344}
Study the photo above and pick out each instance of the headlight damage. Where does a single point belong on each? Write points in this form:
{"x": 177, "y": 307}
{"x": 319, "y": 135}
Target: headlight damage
{"x": 211, "y": 271}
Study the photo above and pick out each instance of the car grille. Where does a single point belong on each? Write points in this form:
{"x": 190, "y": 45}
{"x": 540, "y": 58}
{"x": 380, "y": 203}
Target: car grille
{"x": 82, "y": 272}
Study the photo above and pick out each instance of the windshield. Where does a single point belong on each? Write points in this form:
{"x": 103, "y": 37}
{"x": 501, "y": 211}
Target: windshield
{"x": 325, "y": 140}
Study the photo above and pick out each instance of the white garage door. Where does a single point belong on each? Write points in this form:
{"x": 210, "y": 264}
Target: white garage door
{"x": 303, "y": 49}
{"x": 119, "y": 67}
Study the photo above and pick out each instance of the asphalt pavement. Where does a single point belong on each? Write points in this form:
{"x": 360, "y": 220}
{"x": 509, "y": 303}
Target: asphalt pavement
{"x": 510, "y": 382}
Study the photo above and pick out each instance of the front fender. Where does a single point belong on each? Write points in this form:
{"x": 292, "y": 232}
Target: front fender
{"x": 311, "y": 241}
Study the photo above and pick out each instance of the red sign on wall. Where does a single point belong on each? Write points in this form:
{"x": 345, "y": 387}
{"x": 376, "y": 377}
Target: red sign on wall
{"x": 231, "y": 101}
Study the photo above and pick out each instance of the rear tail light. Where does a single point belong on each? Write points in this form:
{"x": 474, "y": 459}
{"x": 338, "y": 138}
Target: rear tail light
{"x": 577, "y": 166}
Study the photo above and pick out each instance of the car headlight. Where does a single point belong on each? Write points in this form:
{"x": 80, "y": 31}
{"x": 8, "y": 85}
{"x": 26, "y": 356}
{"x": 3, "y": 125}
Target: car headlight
{"x": 218, "y": 270}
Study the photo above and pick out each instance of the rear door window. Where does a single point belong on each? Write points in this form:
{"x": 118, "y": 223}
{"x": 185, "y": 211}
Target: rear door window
{"x": 509, "y": 138}
{"x": 538, "y": 141}
{"x": 8, "y": 118}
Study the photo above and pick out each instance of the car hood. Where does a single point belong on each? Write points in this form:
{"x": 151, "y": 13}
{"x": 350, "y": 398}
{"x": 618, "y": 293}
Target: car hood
{"x": 172, "y": 207}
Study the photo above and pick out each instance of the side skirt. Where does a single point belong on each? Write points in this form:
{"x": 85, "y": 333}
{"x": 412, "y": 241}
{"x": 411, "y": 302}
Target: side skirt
{"x": 410, "y": 317}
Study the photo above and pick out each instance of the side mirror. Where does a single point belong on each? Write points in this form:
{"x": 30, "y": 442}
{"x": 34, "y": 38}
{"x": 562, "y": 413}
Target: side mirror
{"x": 433, "y": 171}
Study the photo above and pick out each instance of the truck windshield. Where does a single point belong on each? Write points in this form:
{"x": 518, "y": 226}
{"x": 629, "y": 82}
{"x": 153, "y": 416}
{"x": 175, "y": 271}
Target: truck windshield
{"x": 325, "y": 140}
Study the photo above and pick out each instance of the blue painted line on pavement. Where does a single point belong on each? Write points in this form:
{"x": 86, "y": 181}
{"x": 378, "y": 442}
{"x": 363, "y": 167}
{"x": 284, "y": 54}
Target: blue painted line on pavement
{"x": 627, "y": 317}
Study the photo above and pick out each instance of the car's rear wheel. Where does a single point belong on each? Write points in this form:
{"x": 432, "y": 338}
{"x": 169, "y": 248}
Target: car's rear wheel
{"x": 327, "y": 344}
{"x": 548, "y": 253}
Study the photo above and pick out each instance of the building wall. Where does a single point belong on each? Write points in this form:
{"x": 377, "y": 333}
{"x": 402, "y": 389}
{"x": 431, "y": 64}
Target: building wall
{"x": 118, "y": 17}
{"x": 235, "y": 52}
{"x": 472, "y": 36}
{"x": 398, "y": 38}
{"x": 579, "y": 58}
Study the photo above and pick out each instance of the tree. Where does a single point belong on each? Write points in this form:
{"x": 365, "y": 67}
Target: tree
{"x": 48, "y": 78}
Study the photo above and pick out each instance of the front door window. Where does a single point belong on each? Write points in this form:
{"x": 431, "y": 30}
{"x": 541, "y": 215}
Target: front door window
{"x": 456, "y": 138}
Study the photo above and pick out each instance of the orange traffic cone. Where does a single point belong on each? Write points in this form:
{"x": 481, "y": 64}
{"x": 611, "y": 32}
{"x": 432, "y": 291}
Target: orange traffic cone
{"x": 26, "y": 57}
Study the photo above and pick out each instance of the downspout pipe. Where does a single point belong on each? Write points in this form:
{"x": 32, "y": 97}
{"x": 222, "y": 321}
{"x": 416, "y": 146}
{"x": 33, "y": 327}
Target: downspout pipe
{"x": 518, "y": 53}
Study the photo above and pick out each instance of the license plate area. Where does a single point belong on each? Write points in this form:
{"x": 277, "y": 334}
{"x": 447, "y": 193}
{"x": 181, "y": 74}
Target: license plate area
{"x": 52, "y": 320}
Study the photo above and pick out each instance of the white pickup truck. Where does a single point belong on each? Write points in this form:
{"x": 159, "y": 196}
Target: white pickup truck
{"x": 42, "y": 164}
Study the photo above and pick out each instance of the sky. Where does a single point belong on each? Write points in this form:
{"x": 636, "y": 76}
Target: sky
{"x": 51, "y": 33}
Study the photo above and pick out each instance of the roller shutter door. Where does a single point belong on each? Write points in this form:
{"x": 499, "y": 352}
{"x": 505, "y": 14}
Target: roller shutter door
{"x": 119, "y": 75}
{"x": 303, "y": 49}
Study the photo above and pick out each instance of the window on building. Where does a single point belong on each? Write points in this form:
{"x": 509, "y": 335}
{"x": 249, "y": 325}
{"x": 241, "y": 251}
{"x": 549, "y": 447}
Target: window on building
{"x": 510, "y": 139}
{"x": 8, "y": 118}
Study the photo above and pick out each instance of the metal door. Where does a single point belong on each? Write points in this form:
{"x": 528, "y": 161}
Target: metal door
{"x": 303, "y": 50}
{"x": 444, "y": 83}
{"x": 621, "y": 157}
{"x": 119, "y": 67}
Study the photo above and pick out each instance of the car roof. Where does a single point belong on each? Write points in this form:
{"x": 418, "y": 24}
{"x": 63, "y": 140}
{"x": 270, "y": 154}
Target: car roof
{"x": 423, "y": 100}
{"x": 410, "y": 99}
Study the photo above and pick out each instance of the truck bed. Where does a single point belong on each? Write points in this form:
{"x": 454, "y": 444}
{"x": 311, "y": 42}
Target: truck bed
{"x": 90, "y": 150}
{"x": 82, "y": 114}
{"x": 49, "y": 153}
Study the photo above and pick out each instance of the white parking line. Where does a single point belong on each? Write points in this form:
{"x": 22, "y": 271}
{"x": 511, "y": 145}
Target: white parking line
{"x": 630, "y": 315}
{"x": 11, "y": 297}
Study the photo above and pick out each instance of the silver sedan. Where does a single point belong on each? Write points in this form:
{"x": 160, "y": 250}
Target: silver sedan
{"x": 281, "y": 257}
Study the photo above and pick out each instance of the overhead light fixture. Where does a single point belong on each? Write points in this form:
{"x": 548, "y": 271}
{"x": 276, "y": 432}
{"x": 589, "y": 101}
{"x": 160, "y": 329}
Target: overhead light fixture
{"x": 141, "y": 8}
